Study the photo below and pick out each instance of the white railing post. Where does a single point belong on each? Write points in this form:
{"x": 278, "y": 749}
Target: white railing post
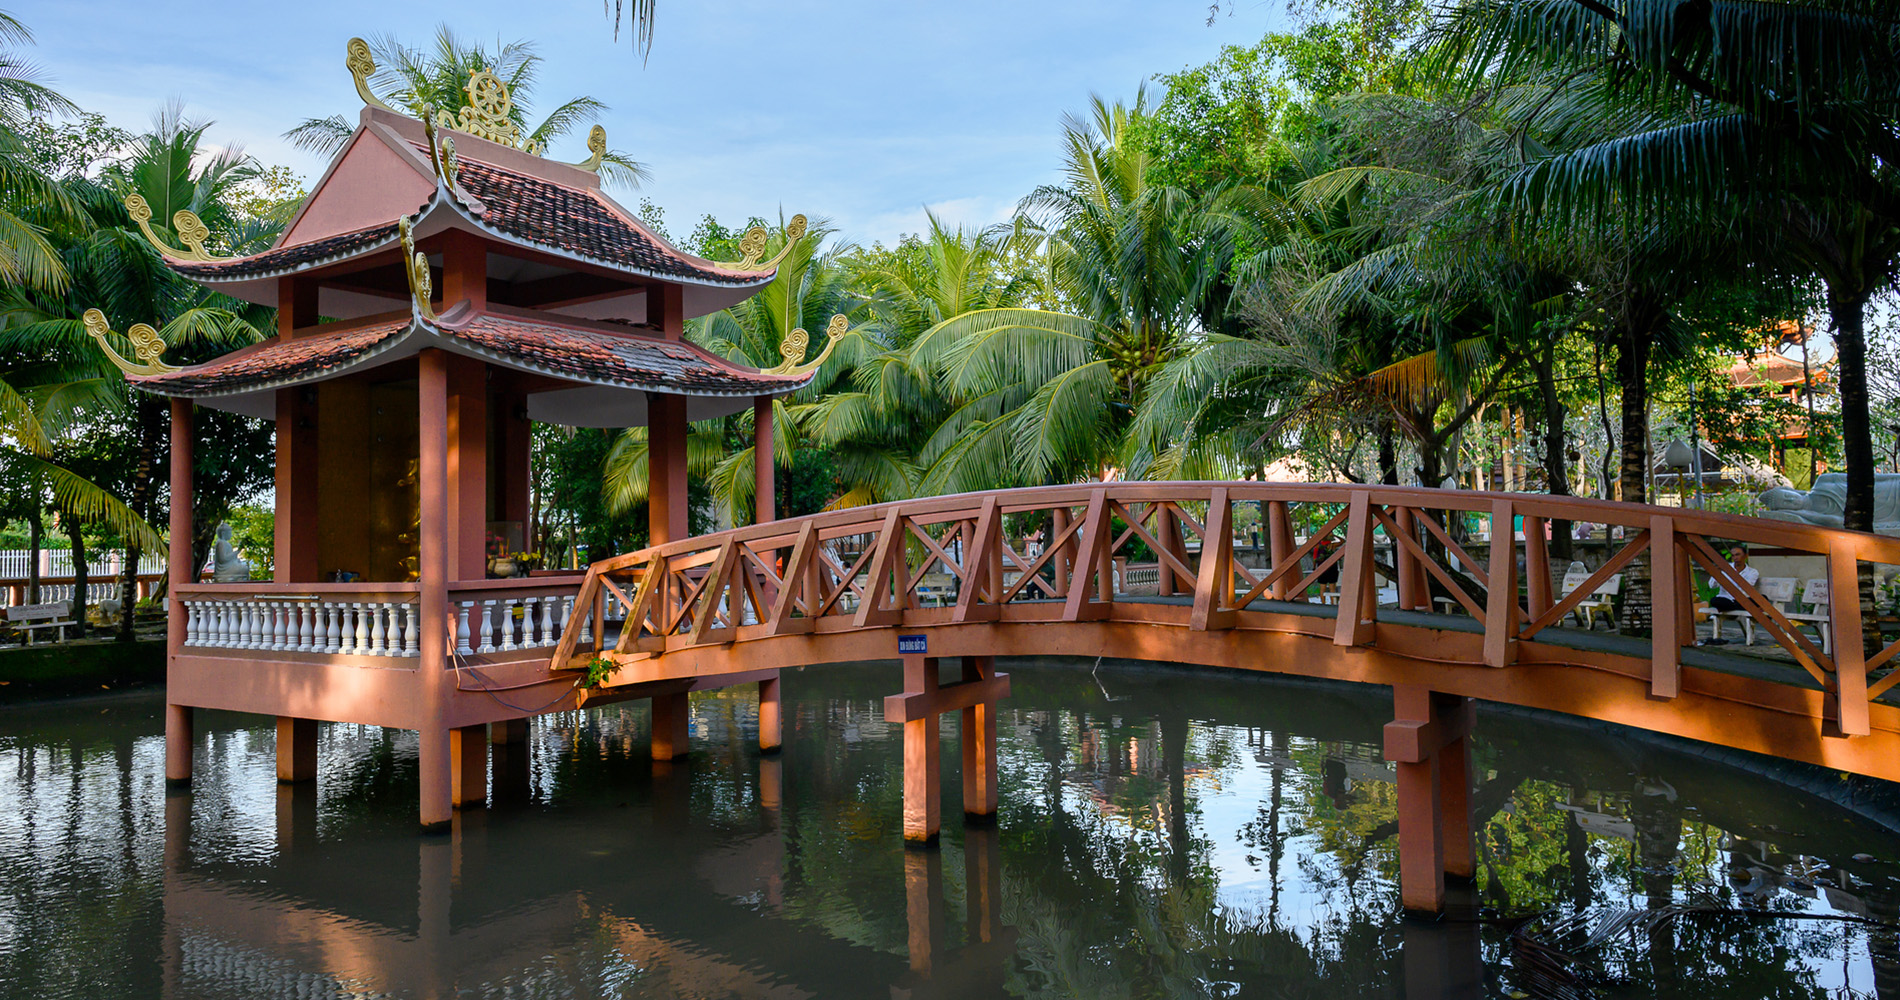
{"x": 508, "y": 625}
{"x": 412, "y": 633}
{"x": 548, "y": 636}
{"x": 461, "y": 628}
{"x": 488, "y": 628}
{"x": 377, "y": 637}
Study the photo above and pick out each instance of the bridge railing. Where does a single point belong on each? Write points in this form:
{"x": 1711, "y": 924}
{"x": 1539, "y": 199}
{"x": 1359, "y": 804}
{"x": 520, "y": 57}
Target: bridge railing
{"x": 947, "y": 560}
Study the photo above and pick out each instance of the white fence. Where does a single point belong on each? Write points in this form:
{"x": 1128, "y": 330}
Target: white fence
{"x": 17, "y": 564}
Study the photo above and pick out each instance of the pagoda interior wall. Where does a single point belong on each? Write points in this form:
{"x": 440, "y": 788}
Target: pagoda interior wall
{"x": 367, "y": 504}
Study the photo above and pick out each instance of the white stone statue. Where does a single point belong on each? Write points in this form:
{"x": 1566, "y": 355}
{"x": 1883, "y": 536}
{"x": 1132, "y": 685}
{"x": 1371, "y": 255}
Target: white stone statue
{"x": 226, "y": 565}
{"x": 1824, "y": 503}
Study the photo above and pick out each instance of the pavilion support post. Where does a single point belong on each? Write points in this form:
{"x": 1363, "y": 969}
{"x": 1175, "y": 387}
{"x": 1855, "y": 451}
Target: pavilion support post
{"x": 508, "y": 732}
{"x": 295, "y": 559}
{"x": 436, "y": 756}
{"x": 978, "y": 740}
{"x": 923, "y": 817}
{"x": 764, "y": 500}
{"x": 666, "y": 468}
{"x": 468, "y": 746}
{"x": 296, "y": 749}
{"x": 672, "y": 718}
{"x": 1426, "y": 742}
{"x": 468, "y": 471}
{"x": 178, "y": 737}
{"x": 770, "y": 735}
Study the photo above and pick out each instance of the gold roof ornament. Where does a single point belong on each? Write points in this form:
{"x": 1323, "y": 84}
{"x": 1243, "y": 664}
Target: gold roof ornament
{"x": 362, "y": 66}
{"x": 416, "y": 264}
{"x": 487, "y": 114}
{"x": 596, "y": 145}
{"x": 147, "y": 346}
{"x": 752, "y": 247}
{"x": 191, "y": 230}
{"x": 793, "y": 349}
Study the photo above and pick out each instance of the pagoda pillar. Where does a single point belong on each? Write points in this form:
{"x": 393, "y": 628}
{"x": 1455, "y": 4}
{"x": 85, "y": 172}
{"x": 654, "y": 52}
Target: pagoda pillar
{"x": 468, "y": 469}
{"x": 432, "y": 676}
{"x": 666, "y": 468}
{"x": 179, "y": 570}
{"x": 295, "y": 529}
{"x": 764, "y": 501}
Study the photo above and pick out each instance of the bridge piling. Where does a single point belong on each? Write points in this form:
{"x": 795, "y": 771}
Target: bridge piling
{"x": 979, "y": 746}
{"x": 1426, "y": 741}
{"x": 671, "y": 720}
{"x": 770, "y": 735}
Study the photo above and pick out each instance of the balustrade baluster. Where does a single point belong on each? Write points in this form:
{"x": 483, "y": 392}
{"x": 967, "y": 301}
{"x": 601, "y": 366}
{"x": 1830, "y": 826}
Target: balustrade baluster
{"x": 333, "y": 633}
{"x": 461, "y": 628}
{"x": 412, "y": 632}
{"x": 488, "y": 628}
{"x": 306, "y": 626}
{"x": 567, "y": 614}
{"x": 247, "y": 624}
{"x": 508, "y": 625}
{"x": 548, "y": 637}
{"x": 275, "y": 613}
{"x": 214, "y": 615}
{"x": 586, "y": 640}
{"x": 377, "y": 637}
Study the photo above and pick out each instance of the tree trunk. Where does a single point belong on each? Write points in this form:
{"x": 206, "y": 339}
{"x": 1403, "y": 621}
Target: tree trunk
{"x": 1556, "y": 459}
{"x": 1636, "y": 326}
{"x": 75, "y": 536}
{"x": 1388, "y": 453}
{"x": 1857, "y": 442}
{"x": 36, "y": 535}
{"x": 129, "y": 592}
{"x": 151, "y": 412}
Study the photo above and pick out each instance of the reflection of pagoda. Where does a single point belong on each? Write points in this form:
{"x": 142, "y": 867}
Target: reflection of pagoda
{"x": 440, "y": 288}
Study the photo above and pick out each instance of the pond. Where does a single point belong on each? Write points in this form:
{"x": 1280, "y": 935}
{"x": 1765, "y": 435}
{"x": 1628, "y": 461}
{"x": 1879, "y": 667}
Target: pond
{"x": 1161, "y": 833}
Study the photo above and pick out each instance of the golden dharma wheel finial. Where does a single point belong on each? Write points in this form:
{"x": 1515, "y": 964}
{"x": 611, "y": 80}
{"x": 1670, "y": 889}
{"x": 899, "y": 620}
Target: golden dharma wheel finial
{"x": 752, "y": 247}
{"x": 147, "y": 346}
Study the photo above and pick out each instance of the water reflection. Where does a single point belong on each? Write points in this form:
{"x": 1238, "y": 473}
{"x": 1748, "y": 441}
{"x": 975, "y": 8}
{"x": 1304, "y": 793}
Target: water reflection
{"x": 1159, "y": 834}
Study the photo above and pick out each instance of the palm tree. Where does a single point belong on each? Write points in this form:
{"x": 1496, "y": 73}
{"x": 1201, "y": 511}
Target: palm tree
{"x": 1774, "y": 117}
{"x": 113, "y": 268}
{"x": 426, "y": 80}
{"x": 1047, "y": 395}
{"x": 811, "y": 286}
{"x": 30, "y": 200}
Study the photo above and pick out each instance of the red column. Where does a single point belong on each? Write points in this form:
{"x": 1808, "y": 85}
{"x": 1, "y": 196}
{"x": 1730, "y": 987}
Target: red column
{"x": 437, "y": 806}
{"x": 468, "y": 748}
{"x": 666, "y": 468}
{"x": 180, "y": 569}
{"x": 763, "y": 495}
{"x": 468, "y": 469}
{"x": 296, "y": 749}
{"x": 464, "y": 269}
{"x": 672, "y": 723}
{"x": 296, "y": 521}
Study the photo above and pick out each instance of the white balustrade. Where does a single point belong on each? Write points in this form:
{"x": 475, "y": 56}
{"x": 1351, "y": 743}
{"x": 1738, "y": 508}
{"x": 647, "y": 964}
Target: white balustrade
{"x": 304, "y": 625}
{"x": 462, "y": 647}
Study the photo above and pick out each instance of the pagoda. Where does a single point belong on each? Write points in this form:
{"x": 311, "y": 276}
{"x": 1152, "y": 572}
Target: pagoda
{"x": 443, "y": 286}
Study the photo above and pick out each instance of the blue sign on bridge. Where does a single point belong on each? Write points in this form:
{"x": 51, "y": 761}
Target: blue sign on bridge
{"x": 912, "y": 644}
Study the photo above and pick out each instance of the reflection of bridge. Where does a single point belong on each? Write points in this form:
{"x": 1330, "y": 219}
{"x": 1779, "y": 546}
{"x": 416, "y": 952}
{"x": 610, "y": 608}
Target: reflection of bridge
{"x": 842, "y": 586}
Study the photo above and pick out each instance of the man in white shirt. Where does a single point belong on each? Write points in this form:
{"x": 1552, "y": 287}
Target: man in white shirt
{"x": 1738, "y": 558}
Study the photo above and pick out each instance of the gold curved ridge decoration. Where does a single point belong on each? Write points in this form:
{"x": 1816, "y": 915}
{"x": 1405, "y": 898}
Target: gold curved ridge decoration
{"x": 415, "y": 263}
{"x": 597, "y": 146}
{"x": 488, "y": 114}
{"x": 362, "y": 66}
{"x": 147, "y": 346}
{"x": 192, "y": 231}
{"x": 793, "y": 349}
{"x": 752, "y": 247}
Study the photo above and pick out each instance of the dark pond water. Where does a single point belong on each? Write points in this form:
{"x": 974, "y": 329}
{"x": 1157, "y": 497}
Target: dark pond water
{"x": 1161, "y": 834}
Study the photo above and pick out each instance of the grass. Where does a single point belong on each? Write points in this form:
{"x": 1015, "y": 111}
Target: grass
{"x": 92, "y": 666}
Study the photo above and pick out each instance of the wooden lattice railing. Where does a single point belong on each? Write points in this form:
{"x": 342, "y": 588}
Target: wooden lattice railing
{"x": 887, "y": 565}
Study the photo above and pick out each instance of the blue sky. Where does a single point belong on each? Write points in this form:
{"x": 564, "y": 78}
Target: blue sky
{"x": 863, "y": 112}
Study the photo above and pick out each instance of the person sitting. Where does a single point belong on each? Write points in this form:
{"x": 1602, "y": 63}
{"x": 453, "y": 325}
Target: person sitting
{"x": 1725, "y": 602}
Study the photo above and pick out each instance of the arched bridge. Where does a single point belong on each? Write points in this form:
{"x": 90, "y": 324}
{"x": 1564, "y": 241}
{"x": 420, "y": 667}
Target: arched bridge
{"x": 1445, "y": 595}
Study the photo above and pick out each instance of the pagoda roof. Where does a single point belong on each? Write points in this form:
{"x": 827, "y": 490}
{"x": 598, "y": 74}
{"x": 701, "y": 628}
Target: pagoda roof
{"x": 598, "y": 373}
{"x": 549, "y": 210}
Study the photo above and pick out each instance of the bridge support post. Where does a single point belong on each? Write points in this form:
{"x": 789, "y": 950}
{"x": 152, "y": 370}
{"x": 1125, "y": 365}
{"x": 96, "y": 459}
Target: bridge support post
{"x": 923, "y": 817}
{"x": 1426, "y": 740}
{"x": 296, "y": 749}
{"x": 770, "y": 734}
{"x": 978, "y": 738}
{"x": 671, "y": 720}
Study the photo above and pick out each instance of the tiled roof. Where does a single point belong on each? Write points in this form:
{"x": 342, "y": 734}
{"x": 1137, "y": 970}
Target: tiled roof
{"x": 288, "y": 258}
{"x": 630, "y": 360}
{"x": 274, "y": 361}
{"x": 579, "y": 222}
